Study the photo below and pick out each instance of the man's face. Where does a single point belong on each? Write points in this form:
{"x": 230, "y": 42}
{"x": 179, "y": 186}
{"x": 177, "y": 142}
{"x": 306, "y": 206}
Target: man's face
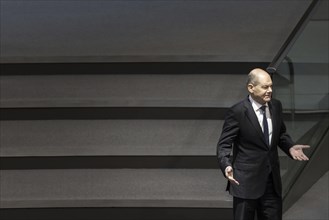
{"x": 262, "y": 91}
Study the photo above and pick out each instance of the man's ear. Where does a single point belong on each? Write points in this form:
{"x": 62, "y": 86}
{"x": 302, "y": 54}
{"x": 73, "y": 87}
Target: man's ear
{"x": 250, "y": 88}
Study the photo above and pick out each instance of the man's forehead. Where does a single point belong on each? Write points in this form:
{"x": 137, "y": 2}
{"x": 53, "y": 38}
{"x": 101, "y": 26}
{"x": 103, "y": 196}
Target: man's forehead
{"x": 265, "y": 83}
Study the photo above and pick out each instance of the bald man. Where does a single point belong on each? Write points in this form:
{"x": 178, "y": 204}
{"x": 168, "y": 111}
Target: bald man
{"x": 253, "y": 129}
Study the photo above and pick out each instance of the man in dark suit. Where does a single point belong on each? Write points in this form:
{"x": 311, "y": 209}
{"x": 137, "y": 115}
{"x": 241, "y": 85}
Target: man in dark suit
{"x": 253, "y": 129}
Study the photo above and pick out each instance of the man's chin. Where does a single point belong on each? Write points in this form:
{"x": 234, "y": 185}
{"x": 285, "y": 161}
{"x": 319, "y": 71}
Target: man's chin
{"x": 267, "y": 99}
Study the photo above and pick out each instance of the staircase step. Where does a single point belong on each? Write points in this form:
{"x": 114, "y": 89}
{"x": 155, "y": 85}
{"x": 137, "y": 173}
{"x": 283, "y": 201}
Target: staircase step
{"x": 117, "y": 213}
{"x": 109, "y": 137}
{"x": 114, "y": 188}
{"x": 112, "y": 113}
{"x": 51, "y": 138}
{"x": 121, "y": 90}
{"x": 101, "y": 162}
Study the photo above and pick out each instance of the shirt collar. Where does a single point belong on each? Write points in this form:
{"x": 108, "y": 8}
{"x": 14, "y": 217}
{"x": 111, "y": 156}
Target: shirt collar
{"x": 255, "y": 105}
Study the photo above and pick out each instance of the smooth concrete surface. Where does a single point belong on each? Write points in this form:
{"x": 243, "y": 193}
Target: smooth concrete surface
{"x": 313, "y": 205}
{"x": 194, "y": 188}
{"x": 109, "y": 137}
{"x": 21, "y": 138}
{"x": 61, "y": 31}
{"x": 122, "y": 90}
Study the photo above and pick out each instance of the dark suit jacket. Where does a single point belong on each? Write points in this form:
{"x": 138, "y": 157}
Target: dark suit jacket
{"x": 253, "y": 160}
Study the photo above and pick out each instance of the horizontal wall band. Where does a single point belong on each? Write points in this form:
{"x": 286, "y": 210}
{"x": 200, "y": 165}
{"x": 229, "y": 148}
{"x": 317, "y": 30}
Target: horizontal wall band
{"x": 132, "y": 113}
{"x": 114, "y": 162}
{"x": 129, "y": 68}
{"x": 111, "y": 113}
{"x": 132, "y": 213}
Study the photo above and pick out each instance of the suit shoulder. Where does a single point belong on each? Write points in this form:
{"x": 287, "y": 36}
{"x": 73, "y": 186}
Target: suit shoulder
{"x": 236, "y": 109}
{"x": 237, "y": 106}
{"x": 276, "y": 102}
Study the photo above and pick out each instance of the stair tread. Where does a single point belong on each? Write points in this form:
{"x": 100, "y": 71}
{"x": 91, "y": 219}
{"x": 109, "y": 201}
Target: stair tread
{"x": 114, "y": 187}
{"x": 122, "y": 90}
{"x": 117, "y": 137}
{"x": 109, "y": 137}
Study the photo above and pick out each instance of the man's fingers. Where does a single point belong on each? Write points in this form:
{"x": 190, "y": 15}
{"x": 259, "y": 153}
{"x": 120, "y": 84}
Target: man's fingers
{"x": 304, "y": 157}
{"x": 298, "y": 154}
{"x": 229, "y": 175}
{"x": 232, "y": 180}
{"x": 229, "y": 172}
{"x": 304, "y": 146}
{"x": 301, "y": 157}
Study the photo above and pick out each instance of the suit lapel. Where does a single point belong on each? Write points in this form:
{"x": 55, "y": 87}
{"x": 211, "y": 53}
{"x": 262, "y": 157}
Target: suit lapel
{"x": 273, "y": 112}
{"x": 250, "y": 113}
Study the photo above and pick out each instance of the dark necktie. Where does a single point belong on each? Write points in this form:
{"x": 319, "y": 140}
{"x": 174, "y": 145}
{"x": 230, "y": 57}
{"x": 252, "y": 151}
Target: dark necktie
{"x": 265, "y": 125}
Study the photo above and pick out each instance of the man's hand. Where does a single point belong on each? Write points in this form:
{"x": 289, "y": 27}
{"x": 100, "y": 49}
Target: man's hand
{"x": 229, "y": 175}
{"x": 297, "y": 153}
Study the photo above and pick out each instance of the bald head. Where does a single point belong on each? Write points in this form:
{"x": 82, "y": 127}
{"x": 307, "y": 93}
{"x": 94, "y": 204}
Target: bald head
{"x": 256, "y": 75}
{"x": 259, "y": 85}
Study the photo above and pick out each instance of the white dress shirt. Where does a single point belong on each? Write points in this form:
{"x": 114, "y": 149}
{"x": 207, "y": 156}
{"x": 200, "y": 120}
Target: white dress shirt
{"x": 256, "y": 106}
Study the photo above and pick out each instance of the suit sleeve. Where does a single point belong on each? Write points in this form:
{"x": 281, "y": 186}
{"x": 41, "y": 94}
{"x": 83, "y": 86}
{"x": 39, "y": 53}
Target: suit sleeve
{"x": 229, "y": 133}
